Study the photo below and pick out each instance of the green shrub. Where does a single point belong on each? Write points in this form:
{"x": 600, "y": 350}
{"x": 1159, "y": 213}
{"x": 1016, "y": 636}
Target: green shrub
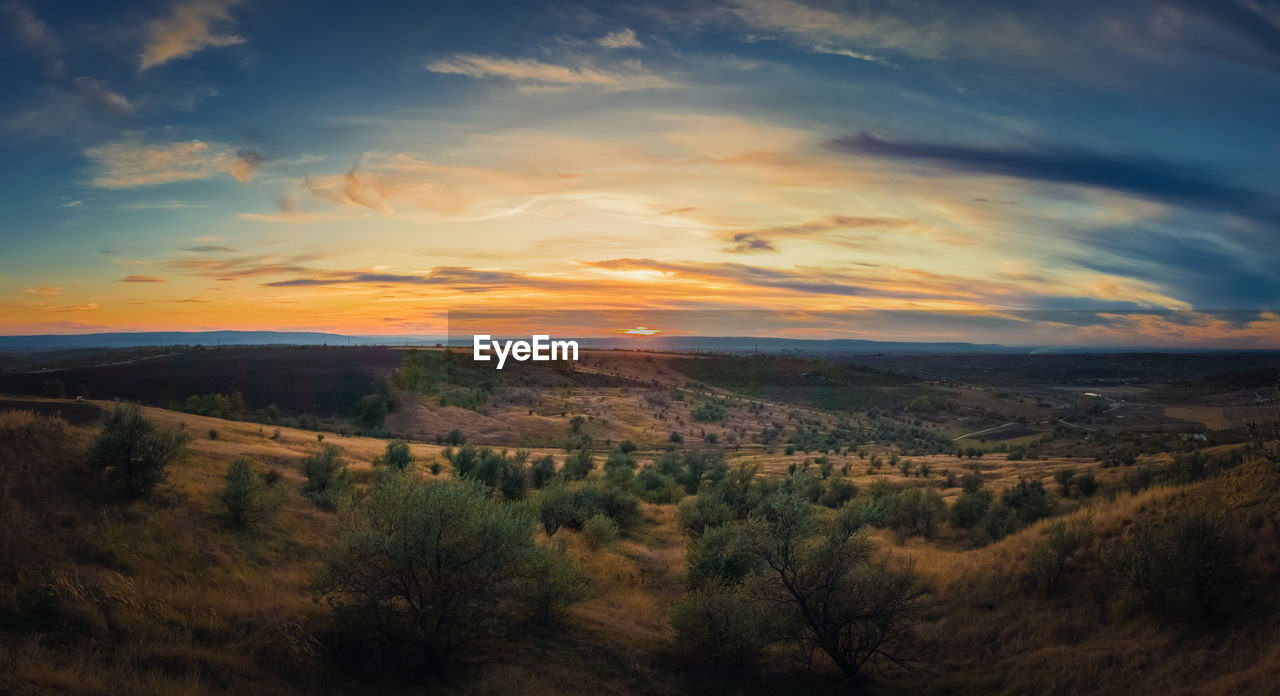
{"x": 837, "y": 493}
{"x": 554, "y": 507}
{"x": 422, "y": 571}
{"x": 132, "y": 451}
{"x": 594, "y": 498}
{"x": 719, "y": 628}
{"x": 397, "y": 456}
{"x": 1191, "y": 567}
{"x": 578, "y": 464}
{"x": 721, "y": 556}
{"x": 600, "y": 530}
{"x": 972, "y": 481}
{"x": 245, "y": 498}
{"x": 707, "y": 509}
{"x": 1028, "y": 501}
{"x": 371, "y": 412}
{"x": 542, "y": 471}
{"x": 329, "y": 481}
{"x": 710, "y": 411}
{"x": 917, "y": 512}
{"x": 970, "y": 508}
{"x": 657, "y": 487}
{"x": 1084, "y": 485}
{"x": 1049, "y": 557}
{"x": 1064, "y": 477}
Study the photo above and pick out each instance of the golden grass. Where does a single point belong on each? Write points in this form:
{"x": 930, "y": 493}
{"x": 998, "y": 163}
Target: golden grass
{"x": 161, "y": 596}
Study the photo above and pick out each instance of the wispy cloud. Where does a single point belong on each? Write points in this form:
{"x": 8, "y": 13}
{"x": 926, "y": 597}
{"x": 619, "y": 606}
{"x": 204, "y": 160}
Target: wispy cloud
{"x": 623, "y": 38}
{"x": 160, "y": 205}
{"x": 186, "y": 30}
{"x": 244, "y": 266}
{"x": 747, "y": 243}
{"x": 1165, "y": 181}
{"x": 45, "y": 290}
{"x": 208, "y": 249}
{"x": 141, "y": 279}
{"x": 86, "y": 94}
{"x": 130, "y": 164}
{"x": 533, "y": 75}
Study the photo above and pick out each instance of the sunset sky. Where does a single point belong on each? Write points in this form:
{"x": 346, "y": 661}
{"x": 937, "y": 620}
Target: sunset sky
{"x": 367, "y": 167}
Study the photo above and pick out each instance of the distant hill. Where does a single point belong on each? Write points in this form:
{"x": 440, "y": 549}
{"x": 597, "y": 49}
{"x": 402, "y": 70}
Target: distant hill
{"x": 209, "y": 338}
{"x": 681, "y": 344}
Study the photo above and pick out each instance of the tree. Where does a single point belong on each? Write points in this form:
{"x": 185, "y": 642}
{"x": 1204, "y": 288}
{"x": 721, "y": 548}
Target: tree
{"x": 133, "y": 451}
{"x": 328, "y": 480}
{"x": 578, "y": 464}
{"x": 858, "y": 611}
{"x": 244, "y": 498}
{"x": 542, "y": 471}
{"x": 555, "y": 508}
{"x": 1028, "y": 500}
{"x": 397, "y": 456}
{"x": 371, "y": 412}
{"x": 434, "y": 567}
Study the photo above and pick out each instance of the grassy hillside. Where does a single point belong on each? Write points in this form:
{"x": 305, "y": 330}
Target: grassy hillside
{"x": 162, "y": 594}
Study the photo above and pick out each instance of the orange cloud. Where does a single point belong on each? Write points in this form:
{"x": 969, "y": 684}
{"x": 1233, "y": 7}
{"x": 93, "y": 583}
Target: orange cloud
{"x": 131, "y": 164}
{"x": 186, "y": 30}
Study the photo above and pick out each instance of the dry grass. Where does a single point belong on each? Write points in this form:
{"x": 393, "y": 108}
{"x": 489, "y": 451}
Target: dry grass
{"x": 161, "y": 596}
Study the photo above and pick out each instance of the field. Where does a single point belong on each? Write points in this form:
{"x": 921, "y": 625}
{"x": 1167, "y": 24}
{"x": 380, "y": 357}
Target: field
{"x": 163, "y": 593}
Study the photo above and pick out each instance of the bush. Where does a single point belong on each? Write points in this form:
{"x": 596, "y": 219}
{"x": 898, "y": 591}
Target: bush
{"x": 1028, "y": 501}
{"x": 554, "y": 508}
{"x": 133, "y": 451}
{"x": 599, "y": 530}
{"x": 371, "y": 412}
{"x": 397, "y": 456}
{"x": 720, "y": 557}
{"x": 328, "y": 481}
{"x": 710, "y": 411}
{"x": 697, "y": 514}
{"x": 837, "y": 493}
{"x": 1065, "y": 477}
{"x": 1192, "y": 567}
{"x": 657, "y": 487}
{"x": 970, "y": 508}
{"x": 596, "y": 498}
{"x": 1049, "y": 557}
{"x": 433, "y": 568}
{"x": 719, "y": 628}
{"x": 917, "y": 512}
{"x": 213, "y": 434}
{"x": 542, "y": 471}
{"x": 1084, "y": 485}
{"x": 972, "y": 481}
{"x": 578, "y": 464}
{"x": 245, "y": 497}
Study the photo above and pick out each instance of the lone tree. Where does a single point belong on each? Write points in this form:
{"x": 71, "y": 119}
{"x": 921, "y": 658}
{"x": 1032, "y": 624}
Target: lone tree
{"x": 244, "y": 497}
{"x": 435, "y": 567}
{"x": 133, "y": 451}
{"x": 328, "y": 479}
{"x": 843, "y": 601}
{"x": 397, "y": 456}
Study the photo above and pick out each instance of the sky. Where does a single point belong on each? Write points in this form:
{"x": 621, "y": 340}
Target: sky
{"x": 367, "y": 168}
